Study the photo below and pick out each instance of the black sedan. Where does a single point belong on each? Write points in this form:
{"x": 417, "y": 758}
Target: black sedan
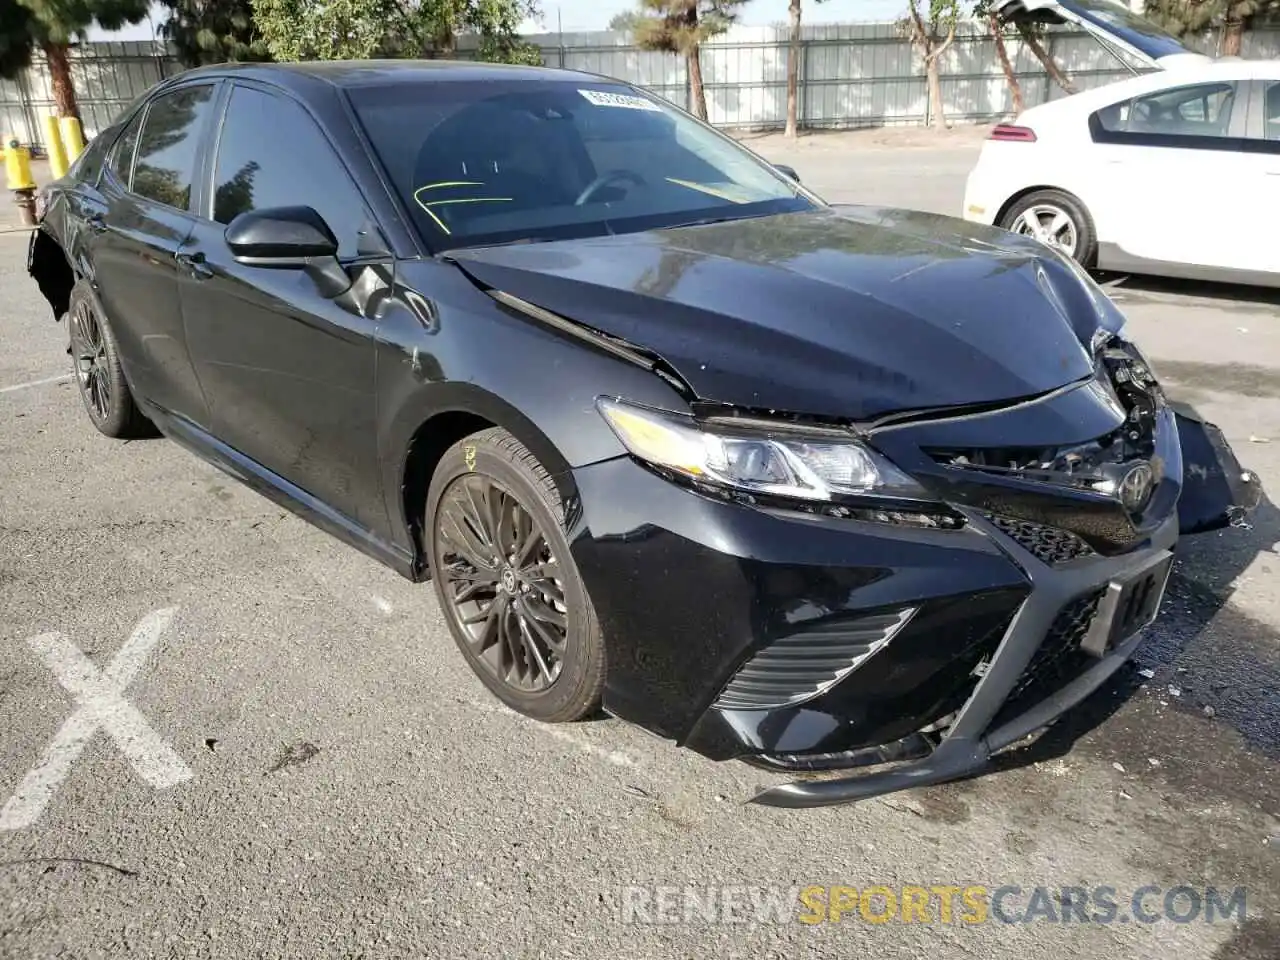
{"x": 813, "y": 486}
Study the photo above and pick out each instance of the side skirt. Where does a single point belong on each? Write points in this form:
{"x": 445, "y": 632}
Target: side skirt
{"x": 280, "y": 491}
{"x": 1112, "y": 257}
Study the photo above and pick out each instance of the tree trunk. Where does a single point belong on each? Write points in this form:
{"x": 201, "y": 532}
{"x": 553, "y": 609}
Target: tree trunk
{"x": 1055, "y": 72}
{"x": 446, "y": 43}
{"x": 64, "y": 91}
{"x": 793, "y": 71}
{"x": 1232, "y": 34}
{"x": 1010, "y": 79}
{"x": 697, "y": 95}
{"x": 933, "y": 70}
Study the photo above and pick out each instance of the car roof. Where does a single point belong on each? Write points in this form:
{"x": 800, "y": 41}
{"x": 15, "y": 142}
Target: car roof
{"x": 1177, "y": 75}
{"x": 363, "y": 73}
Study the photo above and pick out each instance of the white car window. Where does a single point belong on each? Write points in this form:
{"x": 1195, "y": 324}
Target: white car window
{"x": 1199, "y": 110}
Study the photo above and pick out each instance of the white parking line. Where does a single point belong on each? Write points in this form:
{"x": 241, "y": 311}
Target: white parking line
{"x": 102, "y": 706}
{"x": 36, "y": 383}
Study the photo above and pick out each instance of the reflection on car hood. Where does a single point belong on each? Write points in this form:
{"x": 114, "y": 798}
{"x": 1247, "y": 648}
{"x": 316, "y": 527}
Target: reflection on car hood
{"x": 847, "y": 312}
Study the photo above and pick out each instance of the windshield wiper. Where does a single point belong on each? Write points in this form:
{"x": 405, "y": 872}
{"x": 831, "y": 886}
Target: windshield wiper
{"x": 707, "y": 221}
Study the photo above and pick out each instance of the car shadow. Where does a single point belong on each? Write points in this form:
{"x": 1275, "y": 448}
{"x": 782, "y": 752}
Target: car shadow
{"x": 1201, "y": 655}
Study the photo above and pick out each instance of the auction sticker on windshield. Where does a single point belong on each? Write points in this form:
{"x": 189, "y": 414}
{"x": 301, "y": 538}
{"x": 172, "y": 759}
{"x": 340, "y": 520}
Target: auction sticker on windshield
{"x": 602, "y": 99}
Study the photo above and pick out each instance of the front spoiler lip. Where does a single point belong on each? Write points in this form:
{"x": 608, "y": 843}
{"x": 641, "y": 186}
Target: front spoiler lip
{"x": 968, "y": 745}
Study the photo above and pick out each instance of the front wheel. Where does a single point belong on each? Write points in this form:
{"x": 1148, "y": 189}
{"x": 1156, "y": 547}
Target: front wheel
{"x": 1056, "y": 219}
{"x": 507, "y": 585}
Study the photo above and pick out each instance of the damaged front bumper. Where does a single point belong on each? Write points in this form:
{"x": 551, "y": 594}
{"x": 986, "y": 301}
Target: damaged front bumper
{"x": 1123, "y": 596}
{"x": 810, "y": 640}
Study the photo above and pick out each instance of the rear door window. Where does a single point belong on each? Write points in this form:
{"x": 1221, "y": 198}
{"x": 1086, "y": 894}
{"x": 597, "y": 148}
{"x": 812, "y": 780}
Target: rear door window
{"x": 1176, "y": 117}
{"x": 168, "y": 147}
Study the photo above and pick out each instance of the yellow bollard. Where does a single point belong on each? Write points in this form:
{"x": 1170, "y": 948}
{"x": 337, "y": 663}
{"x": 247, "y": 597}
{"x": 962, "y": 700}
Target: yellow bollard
{"x": 54, "y": 148}
{"x": 72, "y": 137}
{"x": 17, "y": 168}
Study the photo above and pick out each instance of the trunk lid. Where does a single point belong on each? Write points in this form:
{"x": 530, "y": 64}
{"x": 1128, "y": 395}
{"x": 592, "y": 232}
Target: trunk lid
{"x": 1111, "y": 23}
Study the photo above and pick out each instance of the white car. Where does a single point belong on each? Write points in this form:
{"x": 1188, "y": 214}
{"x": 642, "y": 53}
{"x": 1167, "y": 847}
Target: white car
{"x": 1174, "y": 172}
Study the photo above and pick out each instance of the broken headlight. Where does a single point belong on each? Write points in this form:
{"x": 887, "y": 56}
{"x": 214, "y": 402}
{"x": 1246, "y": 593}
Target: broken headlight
{"x": 783, "y": 462}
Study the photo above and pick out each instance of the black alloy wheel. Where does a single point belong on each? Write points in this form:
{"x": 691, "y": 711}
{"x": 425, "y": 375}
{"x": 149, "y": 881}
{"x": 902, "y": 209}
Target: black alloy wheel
{"x": 502, "y": 582}
{"x": 512, "y": 596}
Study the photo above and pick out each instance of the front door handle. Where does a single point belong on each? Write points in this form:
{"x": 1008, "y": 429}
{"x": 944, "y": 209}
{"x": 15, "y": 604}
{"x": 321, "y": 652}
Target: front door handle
{"x": 194, "y": 264}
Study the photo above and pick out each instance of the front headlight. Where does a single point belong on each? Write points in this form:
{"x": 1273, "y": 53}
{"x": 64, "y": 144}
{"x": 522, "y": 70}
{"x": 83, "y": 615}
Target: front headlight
{"x": 784, "y": 462}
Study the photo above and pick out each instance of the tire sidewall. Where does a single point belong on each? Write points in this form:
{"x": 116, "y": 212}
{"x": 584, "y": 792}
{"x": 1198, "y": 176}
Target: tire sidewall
{"x": 574, "y": 687}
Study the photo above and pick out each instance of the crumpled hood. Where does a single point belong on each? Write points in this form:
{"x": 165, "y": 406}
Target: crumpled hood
{"x": 845, "y": 312}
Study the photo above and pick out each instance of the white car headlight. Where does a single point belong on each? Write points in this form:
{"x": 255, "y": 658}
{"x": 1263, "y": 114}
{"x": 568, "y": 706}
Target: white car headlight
{"x": 785, "y": 462}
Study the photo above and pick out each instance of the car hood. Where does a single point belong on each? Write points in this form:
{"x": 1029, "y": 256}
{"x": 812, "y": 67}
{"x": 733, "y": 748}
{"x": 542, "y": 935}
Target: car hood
{"x": 842, "y": 312}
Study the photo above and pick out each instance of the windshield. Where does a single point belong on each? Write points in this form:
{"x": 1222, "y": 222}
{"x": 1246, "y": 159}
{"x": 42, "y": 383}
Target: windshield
{"x": 493, "y": 162}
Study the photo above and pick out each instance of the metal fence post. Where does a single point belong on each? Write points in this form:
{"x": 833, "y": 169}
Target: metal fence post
{"x": 802, "y": 93}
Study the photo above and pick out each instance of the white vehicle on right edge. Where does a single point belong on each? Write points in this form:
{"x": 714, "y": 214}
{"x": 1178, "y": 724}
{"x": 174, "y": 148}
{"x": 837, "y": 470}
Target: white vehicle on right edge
{"x": 1175, "y": 172}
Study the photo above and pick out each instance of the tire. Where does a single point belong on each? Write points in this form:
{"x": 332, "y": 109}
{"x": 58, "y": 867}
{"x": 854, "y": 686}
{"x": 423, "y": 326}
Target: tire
{"x": 1051, "y": 203}
{"x": 502, "y": 614}
{"x": 95, "y": 363}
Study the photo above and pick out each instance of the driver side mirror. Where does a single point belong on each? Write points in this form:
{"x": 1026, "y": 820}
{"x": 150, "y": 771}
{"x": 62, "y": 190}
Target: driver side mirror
{"x": 788, "y": 171}
{"x": 289, "y": 238}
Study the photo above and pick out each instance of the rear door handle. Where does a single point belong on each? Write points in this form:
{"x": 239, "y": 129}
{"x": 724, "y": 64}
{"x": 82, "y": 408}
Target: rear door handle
{"x": 194, "y": 264}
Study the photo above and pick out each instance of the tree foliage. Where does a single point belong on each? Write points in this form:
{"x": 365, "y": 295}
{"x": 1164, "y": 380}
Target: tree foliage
{"x": 1231, "y": 17}
{"x": 213, "y": 31}
{"x": 362, "y": 29}
{"x": 625, "y": 21}
{"x": 15, "y": 38}
{"x": 50, "y": 26}
{"x": 681, "y": 27}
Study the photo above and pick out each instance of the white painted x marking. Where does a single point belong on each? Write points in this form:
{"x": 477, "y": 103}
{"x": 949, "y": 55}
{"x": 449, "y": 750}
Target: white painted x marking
{"x": 102, "y": 706}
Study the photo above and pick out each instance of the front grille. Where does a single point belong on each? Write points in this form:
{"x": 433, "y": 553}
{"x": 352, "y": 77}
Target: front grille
{"x": 1058, "y": 660}
{"x": 1050, "y": 545}
{"x": 801, "y": 666}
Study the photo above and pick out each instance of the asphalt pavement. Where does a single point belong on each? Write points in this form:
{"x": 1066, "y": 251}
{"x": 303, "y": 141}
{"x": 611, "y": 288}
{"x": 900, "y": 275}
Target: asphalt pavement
{"x": 226, "y": 735}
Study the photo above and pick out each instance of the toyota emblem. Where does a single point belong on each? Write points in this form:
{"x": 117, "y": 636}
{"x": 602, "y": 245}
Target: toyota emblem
{"x": 1135, "y": 487}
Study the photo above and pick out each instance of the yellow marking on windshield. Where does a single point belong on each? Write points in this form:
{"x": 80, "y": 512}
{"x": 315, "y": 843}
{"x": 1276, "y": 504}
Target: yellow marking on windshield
{"x": 703, "y": 188}
{"x": 441, "y": 203}
{"x": 450, "y": 183}
{"x": 439, "y": 222}
{"x": 426, "y": 207}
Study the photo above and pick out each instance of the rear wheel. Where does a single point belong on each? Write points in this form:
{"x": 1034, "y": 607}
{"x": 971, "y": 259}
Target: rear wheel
{"x": 98, "y": 372}
{"x": 507, "y": 585}
{"x": 1056, "y": 219}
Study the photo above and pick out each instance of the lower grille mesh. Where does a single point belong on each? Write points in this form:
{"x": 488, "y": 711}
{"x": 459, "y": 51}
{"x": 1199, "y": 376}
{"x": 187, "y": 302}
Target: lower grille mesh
{"x": 1058, "y": 660}
{"x": 804, "y": 665}
{"x": 1049, "y": 545}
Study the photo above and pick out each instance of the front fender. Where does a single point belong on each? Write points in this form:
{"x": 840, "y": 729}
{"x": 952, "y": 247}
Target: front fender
{"x": 461, "y": 352}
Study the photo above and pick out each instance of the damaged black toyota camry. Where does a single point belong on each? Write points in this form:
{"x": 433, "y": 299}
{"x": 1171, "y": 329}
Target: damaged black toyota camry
{"x": 824, "y": 488}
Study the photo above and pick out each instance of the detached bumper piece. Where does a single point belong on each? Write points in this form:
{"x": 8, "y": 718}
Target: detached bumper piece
{"x": 1066, "y": 639}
